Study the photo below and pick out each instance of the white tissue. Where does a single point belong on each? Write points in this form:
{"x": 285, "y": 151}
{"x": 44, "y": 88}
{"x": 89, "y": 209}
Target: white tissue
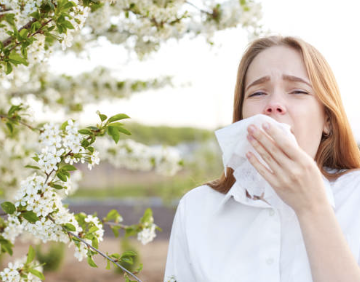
{"x": 234, "y": 145}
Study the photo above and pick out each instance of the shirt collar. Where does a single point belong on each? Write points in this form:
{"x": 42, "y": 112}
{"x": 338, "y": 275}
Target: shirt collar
{"x": 239, "y": 194}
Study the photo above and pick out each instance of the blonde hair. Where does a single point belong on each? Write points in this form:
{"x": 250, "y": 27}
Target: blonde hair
{"x": 338, "y": 149}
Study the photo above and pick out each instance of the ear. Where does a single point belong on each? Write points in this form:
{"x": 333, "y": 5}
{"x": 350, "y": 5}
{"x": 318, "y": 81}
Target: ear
{"x": 327, "y": 126}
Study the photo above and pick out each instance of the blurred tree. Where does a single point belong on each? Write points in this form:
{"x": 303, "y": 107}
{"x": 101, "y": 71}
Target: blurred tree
{"x": 32, "y": 31}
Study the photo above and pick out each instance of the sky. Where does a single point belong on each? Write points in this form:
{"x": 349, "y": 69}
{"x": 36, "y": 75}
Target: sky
{"x": 333, "y": 27}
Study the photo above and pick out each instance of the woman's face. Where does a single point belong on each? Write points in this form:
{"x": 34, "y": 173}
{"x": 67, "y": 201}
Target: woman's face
{"x": 277, "y": 85}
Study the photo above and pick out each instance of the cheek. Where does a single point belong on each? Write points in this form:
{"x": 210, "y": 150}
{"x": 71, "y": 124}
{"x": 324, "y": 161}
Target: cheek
{"x": 251, "y": 109}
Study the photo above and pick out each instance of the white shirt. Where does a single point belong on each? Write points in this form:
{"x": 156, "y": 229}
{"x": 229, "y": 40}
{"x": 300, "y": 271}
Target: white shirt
{"x": 219, "y": 237}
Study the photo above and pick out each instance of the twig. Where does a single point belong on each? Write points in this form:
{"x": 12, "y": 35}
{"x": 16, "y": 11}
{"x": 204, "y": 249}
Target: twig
{"x": 105, "y": 256}
{"x": 201, "y": 10}
{"x": 8, "y": 40}
{"x": 23, "y": 123}
{"x": 98, "y": 251}
{"x": 115, "y": 224}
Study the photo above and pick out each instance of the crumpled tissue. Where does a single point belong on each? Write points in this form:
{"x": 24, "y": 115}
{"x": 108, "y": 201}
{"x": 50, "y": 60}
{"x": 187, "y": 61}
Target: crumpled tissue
{"x": 234, "y": 145}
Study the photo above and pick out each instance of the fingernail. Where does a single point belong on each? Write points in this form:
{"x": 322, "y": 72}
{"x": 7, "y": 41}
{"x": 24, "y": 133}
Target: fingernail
{"x": 250, "y": 137}
{"x": 266, "y": 126}
{"x": 251, "y": 128}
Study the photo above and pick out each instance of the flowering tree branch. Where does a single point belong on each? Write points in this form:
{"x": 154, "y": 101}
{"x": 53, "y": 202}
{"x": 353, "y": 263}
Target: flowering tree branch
{"x": 71, "y": 234}
{"x": 38, "y": 208}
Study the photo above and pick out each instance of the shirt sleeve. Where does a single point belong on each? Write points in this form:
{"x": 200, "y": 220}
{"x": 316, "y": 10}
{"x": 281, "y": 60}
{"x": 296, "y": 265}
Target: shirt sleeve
{"x": 178, "y": 265}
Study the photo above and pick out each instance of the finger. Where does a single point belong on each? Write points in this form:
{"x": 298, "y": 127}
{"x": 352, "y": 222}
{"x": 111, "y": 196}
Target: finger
{"x": 287, "y": 146}
{"x": 264, "y": 171}
{"x": 264, "y": 154}
{"x": 271, "y": 148}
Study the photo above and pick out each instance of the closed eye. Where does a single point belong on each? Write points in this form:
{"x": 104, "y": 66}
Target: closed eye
{"x": 299, "y": 92}
{"x": 256, "y": 94}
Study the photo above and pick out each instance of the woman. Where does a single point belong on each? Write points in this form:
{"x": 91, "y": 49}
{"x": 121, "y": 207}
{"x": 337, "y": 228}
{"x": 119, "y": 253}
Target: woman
{"x": 221, "y": 234}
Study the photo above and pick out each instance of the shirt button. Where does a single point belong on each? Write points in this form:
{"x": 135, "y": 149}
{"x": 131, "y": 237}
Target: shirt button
{"x": 271, "y": 212}
{"x": 270, "y": 261}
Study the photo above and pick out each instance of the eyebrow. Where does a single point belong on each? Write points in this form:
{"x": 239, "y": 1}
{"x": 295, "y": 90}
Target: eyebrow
{"x": 285, "y": 77}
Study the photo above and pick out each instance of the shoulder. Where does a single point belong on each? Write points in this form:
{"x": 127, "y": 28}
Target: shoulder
{"x": 347, "y": 185}
{"x": 350, "y": 178}
{"x": 202, "y": 193}
{"x": 201, "y": 199}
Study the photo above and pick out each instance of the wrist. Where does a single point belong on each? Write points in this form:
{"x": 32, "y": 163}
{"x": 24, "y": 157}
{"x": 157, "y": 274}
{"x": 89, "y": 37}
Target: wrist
{"x": 312, "y": 211}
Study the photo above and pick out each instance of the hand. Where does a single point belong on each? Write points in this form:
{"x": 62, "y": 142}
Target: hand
{"x": 294, "y": 175}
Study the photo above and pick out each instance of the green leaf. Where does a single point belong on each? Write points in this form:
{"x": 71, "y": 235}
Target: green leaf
{"x": 91, "y": 149}
{"x": 114, "y": 133}
{"x": 8, "y": 68}
{"x": 123, "y": 130}
{"x": 128, "y": 260}
{"x": 8, "y": 207}
{"x": 30, "y": 255}
{"x": 61, "y": 176}
{"x": 23, "y": 33}
{"x": 69, "y": 5}
{"x": 32, "y": 166}
{"x": 60, "y": 28}
{"x": 102, "y": 116}
{"x": 69, "y": 227}
{"x": 147, "y": 217}
{"x": 117, "y": 117}
{"x": 37, "y": 273}
{"x": 107, "y": 265}
{"x": 10, "y": 127}
{"x": 117, "y": 124}
{"x": 128, "y": 257}
{"x": 130, "y": 231}
{"x": 64, "y": 125}
{"x": 85, "y": 131}
{"x": 85, "y": 143}
{"x": 15, "y": 58}
{"x": 13, "y": 109}
{"x": 95, "y": 242}
{"x": 68, "y": 25}
{"x": 6, "y": 246}
{"x": 36, "y": 158}
{"x": 93, "y": 229}
{"x": 129, "y": 254}
{"x": 115, "y": 256}
{"x": 35, "y": 15}
{"x": 69, "y": 167}
{"x": 56, "y": 186}
{"x": 115, "y": 230}
{"x": 113, "y": 215}
{"x": 139, "y": 268}
{"x": 91, "y": 262}
{"x": 30, "y": 216}
{"x": 93, "y": 128}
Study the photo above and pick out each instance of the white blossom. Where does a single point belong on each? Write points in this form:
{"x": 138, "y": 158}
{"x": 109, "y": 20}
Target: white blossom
{"x": 12, "y": 272}
{"x": 147, "y": 234}
{"x": 136, "y": 156}
{"x": 81, "y": 250}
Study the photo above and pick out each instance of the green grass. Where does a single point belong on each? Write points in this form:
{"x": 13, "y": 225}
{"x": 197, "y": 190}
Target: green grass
{"x": 166, "y": 135}
{"x": 167, "y": 190}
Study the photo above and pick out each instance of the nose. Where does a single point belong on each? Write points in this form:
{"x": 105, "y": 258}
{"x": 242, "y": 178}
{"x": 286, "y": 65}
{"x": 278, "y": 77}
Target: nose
{"x": 274, "y": 108}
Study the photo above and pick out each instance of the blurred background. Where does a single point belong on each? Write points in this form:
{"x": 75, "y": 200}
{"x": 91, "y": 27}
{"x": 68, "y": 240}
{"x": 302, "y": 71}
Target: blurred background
{"x": 177, "y": 88}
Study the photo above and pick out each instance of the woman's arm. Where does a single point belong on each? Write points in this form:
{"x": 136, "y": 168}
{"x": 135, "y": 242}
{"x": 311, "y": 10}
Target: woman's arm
{"x": 297, "y": 180}
{"x": 330, "y": 257}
